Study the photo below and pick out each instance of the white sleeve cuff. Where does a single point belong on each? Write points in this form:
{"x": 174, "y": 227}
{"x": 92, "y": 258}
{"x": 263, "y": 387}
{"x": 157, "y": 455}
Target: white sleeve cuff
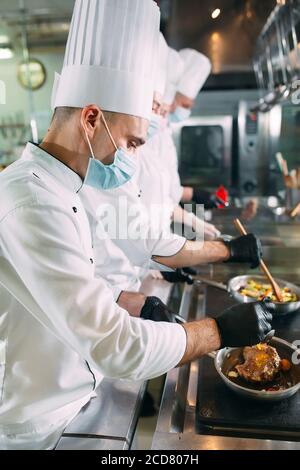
{"x": 125, "y": 287}
{"x": 168, "y": 349}
{"x": 166, "y": 248}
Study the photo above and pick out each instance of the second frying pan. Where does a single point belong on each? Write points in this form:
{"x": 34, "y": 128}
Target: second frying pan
{"x": 237, "y": 282}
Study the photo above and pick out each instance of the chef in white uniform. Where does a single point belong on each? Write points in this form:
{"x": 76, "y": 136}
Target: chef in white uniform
{"x": 154, "y": 182}
{"x": 157, "y": 174}
{"x": 175, "y": 69}
{"x": 192, "y": 75}
{"x": 196, "y": 70}
{"x": 60, "y": 329}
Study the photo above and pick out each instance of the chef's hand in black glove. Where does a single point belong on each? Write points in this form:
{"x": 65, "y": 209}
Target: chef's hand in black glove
{"x": 245, "y": 249}
{"x": 209, "y": 200}
{"x": 180, "y": 275}
{"x": 155, "y": 310}
{"x": 244, "y": 324}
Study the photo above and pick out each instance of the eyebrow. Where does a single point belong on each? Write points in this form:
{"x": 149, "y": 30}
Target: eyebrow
{"x": 139, "y": 140}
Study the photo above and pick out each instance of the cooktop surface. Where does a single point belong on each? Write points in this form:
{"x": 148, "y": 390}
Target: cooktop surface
{"x": 220, "y": 410}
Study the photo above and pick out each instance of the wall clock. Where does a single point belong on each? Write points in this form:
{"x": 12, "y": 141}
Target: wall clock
{"x": 33, "y": 69}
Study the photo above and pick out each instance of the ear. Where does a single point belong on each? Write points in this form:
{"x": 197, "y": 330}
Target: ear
{"x": 91, "y": 119}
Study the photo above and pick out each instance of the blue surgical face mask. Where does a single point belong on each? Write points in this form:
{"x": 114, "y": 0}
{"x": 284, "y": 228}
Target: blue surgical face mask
{"x": 112, "y": 176}
{"x": 154, "y": 125}
{"x": 180, "y": 114}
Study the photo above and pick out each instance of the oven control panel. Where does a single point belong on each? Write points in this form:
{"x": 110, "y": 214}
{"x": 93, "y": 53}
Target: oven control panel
{"x": 248, "y": 138}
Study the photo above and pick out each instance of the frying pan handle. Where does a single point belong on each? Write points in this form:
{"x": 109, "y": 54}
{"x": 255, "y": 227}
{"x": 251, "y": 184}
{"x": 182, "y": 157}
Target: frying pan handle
{"x": 211, "y": 283}
{"x": 179, "y": 319}
{"x": 269, "y": 336}
{"x": 212, "y": 355}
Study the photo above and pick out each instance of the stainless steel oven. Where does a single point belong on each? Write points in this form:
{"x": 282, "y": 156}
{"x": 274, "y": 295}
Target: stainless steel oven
{"x": 289, "y": 140}
{"x": 212, "y": 148}
{"x": 258, "y": 140}
{"x": 260, "y": 137}
{"x": 204, "y": 146}
{"x": 279, "y": 132}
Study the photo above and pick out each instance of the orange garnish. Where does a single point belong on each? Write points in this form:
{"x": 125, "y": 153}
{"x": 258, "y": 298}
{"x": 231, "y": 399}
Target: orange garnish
{"x": 285, "y": 365}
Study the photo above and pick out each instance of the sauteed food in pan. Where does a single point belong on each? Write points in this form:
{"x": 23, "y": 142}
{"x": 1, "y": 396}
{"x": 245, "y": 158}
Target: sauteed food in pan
{"x": 260, "y": 291}
{"x": 263, "y": 369}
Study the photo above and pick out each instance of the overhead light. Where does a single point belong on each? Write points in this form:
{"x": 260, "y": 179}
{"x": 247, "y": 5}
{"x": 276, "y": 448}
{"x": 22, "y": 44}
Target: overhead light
{"x": 216, "y": 13}
{"x": 6, "y": 53}
{"x": 4, "y": 39}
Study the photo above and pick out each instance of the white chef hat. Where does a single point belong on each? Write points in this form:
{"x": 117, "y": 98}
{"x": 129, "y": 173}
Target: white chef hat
{"x": 110, "y": 57}
{"x": 174, "y": 72}
{"x": 161, "y": 68}
{"x": 197, "y": 68}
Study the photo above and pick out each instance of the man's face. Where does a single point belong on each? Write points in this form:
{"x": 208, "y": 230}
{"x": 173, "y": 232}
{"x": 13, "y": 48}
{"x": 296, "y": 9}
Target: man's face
{"x": 165, "y": 110}
{"x": 128, "y": 132}
{"x": 182, "y": 101}
{"x": 157, "y": 103}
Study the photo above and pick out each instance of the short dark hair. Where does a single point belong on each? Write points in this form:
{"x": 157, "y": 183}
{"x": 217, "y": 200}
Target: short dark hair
{"x": 63, "y": 114}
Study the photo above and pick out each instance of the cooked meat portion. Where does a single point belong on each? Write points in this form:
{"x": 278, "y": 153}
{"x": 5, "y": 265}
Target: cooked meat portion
{"x": 262, "y": 363}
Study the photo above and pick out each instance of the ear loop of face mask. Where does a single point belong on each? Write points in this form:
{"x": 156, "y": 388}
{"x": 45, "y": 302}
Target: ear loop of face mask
{"x": 107, "y": 130}
{"x": 112, "y": 176}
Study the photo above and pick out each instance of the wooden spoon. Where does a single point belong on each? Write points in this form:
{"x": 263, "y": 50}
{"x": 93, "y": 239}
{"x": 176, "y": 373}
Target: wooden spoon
{"x": 288, "y": 181}
{"x": 285, "y": 168}
{"x": 298, "y": 178}
{"x": 295, "y": 211}
{"x": 275, "y": 286}
{"x": 293, "y": 175}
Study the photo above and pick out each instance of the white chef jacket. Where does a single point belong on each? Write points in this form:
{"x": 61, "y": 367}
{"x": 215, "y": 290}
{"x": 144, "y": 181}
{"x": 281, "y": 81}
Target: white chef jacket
{"x": 127, "y": 254}
{"x": 153, "y": 176}
{"x": 111, "y": 263}
{"x": 169, "y": 157}
{"x": 60, "y": 329}
{"x": 154, "y": 190}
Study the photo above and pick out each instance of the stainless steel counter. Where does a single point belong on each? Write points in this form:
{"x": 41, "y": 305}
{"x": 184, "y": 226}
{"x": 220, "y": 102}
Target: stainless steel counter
{"x": 176, "y": 427}
{"x": 109, "y": 420}
{"x": 273, "y": 229}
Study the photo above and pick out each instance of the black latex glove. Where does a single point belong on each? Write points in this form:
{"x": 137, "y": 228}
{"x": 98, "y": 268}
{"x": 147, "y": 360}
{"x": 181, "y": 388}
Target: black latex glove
{"x": 244, "y": 324}
{"x": 209, "y": 200}
{"x": 180, "y": 275}
{"x": 155, "y": 310}
{"x": 190, "y": 271}
{"x": 245, "y": 249}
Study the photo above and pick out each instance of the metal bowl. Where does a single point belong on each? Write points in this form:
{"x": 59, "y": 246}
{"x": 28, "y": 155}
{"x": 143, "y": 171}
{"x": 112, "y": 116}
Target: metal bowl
{"x": 276, "y": 308}
{"x": 227, "y": 358}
